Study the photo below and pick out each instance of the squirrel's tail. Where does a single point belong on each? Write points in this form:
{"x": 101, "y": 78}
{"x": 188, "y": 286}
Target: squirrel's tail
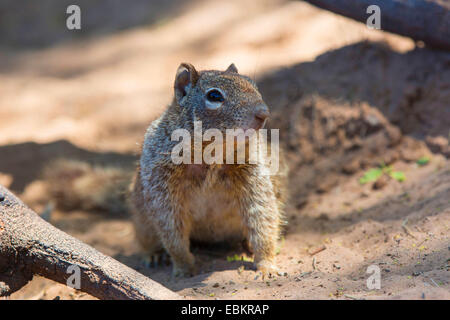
{"x": 77, "y": 185}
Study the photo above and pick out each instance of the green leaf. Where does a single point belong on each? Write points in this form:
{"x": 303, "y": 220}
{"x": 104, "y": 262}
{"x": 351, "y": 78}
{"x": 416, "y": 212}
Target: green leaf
{"x": 423, "y": 161}
{"x": 239, "y": 258}
{"x": 398, "y": 175}
{"x": 371, "y": 175}
{"x": 233, "y": 258}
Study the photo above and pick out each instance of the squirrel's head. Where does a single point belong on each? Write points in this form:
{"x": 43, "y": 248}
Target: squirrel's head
{"x": 220, "y": 99}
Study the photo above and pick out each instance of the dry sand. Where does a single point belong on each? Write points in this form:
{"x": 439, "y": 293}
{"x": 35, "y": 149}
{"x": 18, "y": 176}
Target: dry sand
{"x": 346, "y": 99}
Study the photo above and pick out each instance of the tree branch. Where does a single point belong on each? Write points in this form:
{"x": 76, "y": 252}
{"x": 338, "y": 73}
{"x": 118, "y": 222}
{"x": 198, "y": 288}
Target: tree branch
{"x": 426, "y": 20}
{"x": 29, "y": 245}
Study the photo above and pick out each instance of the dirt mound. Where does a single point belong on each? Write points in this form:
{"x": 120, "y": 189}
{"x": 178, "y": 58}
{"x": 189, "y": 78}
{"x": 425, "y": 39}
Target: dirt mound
{"x": 411, "y": 89}
{"x": 345, "y": 107}
{"x": 361, "y": 106}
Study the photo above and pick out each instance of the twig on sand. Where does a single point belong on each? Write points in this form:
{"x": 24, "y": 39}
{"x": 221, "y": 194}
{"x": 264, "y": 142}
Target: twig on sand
{"x": 434, "y": 282}
{"x": 352, "y": 297}
{"x": 317, "y": 250}
{"x": 303, "y": 274}
{"x": 314, "y": 263}
{"x": 406, "y": 229}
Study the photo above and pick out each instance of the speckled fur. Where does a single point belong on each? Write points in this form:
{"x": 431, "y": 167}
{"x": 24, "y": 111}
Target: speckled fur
{"x": 176, "y": 203}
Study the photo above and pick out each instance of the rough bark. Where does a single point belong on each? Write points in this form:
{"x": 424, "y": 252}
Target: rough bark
{"x": 426, "y": 20}
{"x": 29, "y": 245}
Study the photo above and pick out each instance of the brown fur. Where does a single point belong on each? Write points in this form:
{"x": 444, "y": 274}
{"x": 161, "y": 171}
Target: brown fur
{"x": 173, "y": 204}
{"x": 81, "y": 185}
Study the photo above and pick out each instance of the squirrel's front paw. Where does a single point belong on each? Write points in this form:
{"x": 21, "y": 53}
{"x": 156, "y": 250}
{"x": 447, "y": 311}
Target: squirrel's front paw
{"x": 266, "y": 268}
{"x": 155, "y": 260}
{"x": 184, "y": 267}
{"x": 185, "y": 270}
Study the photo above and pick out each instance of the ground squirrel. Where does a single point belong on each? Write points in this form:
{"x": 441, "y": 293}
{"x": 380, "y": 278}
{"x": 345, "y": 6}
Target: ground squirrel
{"x": 175, "y": 203}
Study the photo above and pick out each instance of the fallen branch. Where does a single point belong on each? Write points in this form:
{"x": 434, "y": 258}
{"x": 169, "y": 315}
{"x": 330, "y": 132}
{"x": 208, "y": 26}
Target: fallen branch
{"x": 29, "y": 245}
{"x": 406, "y": 229}
{"x": 425, "y": 20}
{"x": 317, "y": 250}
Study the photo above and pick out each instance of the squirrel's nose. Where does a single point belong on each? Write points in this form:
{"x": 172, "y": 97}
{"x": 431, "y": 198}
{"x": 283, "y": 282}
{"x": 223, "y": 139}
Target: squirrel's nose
{"x": 262, "y": 113}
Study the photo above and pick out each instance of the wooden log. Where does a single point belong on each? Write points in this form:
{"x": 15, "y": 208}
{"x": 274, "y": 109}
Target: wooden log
{"x": 425, "y": 20}
{"x": 29, "y": 245}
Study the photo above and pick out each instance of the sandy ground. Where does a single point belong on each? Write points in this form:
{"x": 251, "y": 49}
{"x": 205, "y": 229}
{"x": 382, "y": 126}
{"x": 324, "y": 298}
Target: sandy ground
{"x": 346, "y": 99}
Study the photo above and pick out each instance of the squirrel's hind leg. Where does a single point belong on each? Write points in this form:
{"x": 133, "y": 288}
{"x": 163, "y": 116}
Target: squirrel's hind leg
{"x": 155, "y": 255}
{"x": 145, "y": 230}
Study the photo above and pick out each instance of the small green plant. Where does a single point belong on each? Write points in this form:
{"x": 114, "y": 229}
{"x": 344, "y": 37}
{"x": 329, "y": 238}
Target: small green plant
{"x": 398, "y": 175}
{"x": 239, "y": 258}
{"x": 374, "y": 174}
{"x": 371, "y": 175}
{"x": 423, "y": 161}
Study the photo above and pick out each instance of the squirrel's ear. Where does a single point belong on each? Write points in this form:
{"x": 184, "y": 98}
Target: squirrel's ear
{"x": 185, "y": 79}
{"x": 232, "y": 68}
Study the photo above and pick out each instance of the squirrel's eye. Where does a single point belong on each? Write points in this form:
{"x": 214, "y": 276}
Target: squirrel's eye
{"x": 215, "y": 96}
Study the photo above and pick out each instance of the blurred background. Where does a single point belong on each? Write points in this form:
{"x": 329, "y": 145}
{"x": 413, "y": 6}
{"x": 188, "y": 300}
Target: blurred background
{"x": 353, "y": 106}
